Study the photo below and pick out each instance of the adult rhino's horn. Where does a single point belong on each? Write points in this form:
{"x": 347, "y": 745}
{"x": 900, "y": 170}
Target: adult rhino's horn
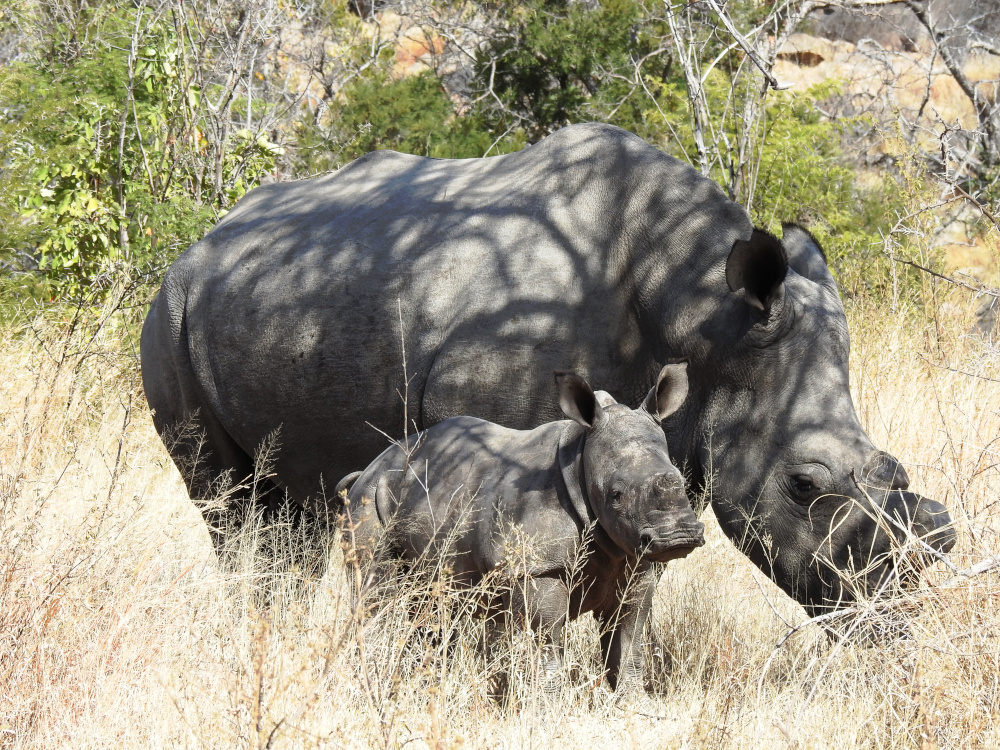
{"x": 757, "y": 266}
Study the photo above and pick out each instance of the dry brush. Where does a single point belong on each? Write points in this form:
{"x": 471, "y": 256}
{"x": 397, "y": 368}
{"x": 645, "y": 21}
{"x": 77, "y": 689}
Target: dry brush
{"x": 118, "y": 628}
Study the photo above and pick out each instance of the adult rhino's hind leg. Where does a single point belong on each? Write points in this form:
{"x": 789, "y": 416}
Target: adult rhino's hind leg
{"x": 208, "y": 459}
{"x": 246, "y": 513}
{"x": 222, "y": 480}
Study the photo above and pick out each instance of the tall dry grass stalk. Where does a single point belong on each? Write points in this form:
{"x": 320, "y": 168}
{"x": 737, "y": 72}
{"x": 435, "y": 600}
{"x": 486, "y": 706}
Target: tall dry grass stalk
{"x": 118, "y": 629}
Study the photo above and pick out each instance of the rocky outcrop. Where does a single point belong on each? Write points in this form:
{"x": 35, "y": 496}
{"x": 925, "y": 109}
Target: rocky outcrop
{"x": 882, "y": 80}
{"x": 910, "y": 92}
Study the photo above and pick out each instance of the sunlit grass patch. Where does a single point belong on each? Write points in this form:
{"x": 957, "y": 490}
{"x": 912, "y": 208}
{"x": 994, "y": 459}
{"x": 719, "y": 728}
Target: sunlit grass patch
{"x": 119, "y": 628}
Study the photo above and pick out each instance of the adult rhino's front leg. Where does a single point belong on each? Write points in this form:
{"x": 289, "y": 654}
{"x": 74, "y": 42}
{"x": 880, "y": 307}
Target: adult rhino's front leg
{"x": 622, "y": 626}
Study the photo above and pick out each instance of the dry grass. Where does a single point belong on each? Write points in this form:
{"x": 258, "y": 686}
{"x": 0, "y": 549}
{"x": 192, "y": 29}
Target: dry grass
{"x": 118, "y": 629}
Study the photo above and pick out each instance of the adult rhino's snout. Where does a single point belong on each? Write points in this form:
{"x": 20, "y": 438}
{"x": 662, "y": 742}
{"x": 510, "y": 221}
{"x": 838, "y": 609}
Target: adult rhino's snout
{"x": 928, "y": 519}
{"x": 933, "y": 524}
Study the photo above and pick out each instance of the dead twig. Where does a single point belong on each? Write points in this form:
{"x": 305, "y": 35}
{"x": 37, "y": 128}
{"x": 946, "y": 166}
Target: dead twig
{"x": 747, "y": 47}
{"x": 979, "y": 288}
{"x": 960, "y": 372}
{"x": 971, "y": 572}
{"x": 960, "y": 191}
{"x": 962, "y": 576}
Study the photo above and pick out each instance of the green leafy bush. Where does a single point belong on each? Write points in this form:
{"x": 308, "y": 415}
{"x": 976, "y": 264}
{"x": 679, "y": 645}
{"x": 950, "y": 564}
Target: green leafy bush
{"x": 413, "y": 115}
{"x": 116, "y": 152}
{"x": 105, "y": 153}
{"x": 805, "y": 177}
{"x": 552, "y": 60}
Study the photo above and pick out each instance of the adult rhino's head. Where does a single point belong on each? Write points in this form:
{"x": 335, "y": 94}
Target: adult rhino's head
{"x": 632, "y": 487}
{"x": 796, "y": 482}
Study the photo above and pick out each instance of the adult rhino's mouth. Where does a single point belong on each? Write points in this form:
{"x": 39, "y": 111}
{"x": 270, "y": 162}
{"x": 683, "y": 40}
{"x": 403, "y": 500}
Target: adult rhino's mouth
{"x": 914, "y": 532}
{"x": 672, "y": 545}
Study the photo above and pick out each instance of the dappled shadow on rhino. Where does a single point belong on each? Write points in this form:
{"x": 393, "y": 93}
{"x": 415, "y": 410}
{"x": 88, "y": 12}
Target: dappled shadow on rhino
{"x": 832, "y": 516}
{"x": 573, "y": 515}
{"x": 589, "y": 250}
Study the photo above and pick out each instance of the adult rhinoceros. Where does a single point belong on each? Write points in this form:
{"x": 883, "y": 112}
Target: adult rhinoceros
{"x": 590, "y": 250}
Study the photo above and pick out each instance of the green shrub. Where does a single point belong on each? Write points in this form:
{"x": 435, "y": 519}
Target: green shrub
{"x": 413, "y": 115}
{"x": 100, "y": 174}
{"x": 552, "y": 60}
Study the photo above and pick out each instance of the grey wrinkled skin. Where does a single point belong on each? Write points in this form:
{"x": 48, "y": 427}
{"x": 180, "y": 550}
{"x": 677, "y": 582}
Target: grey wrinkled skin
{"x": 571, "y": 515}
{"x": 589, "y": 251}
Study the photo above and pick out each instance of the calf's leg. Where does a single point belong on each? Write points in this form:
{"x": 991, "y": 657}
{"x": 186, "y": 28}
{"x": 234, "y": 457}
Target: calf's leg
{"x": 621, "y": 639}
{"x": 543, "y": 603}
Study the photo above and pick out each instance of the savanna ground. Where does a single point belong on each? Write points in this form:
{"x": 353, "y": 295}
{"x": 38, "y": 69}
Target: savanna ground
{"x": 118, "y": 629}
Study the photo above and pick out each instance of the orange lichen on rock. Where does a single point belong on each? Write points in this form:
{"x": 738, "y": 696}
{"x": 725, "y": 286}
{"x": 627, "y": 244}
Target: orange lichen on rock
{"x": 415, "y": 45}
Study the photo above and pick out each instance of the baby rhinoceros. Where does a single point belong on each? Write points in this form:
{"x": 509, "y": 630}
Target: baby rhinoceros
{"x": 574, "y": 512}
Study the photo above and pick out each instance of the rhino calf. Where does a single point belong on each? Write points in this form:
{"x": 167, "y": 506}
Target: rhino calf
{"x": 592, "y": 502}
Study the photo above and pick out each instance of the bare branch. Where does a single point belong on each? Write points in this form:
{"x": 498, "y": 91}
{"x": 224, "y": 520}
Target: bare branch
{"x": 750, "y": 51}
{"x": 991, "y": 48}
{"x": 979, "y": 288}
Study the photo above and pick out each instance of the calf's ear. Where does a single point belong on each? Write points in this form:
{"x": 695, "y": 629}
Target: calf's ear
{"x": 669, "y": 393}
{"x": 757, "y": 266}
{"x": 577, "y": 399}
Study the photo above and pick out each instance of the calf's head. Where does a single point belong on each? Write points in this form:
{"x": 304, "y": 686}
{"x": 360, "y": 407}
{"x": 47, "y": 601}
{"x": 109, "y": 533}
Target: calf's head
{"x": 796, "y": 482}
{"x": 633, "y": 489}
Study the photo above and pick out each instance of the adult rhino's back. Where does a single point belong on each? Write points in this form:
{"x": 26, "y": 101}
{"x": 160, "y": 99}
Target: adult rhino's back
{"x": 293, "y": 314}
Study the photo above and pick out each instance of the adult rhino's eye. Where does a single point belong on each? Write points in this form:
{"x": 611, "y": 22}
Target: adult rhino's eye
{"x": 803, "y": 484}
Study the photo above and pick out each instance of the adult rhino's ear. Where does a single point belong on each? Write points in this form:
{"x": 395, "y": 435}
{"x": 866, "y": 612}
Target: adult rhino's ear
{"x": 669, "y": 393}
{"x": 805, "y": 256}
{"x": 758, "y": 267}
{"x": 577, "y": 399}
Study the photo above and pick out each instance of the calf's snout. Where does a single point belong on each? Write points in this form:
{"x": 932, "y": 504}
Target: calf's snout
{"x": 672, "y": 529}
